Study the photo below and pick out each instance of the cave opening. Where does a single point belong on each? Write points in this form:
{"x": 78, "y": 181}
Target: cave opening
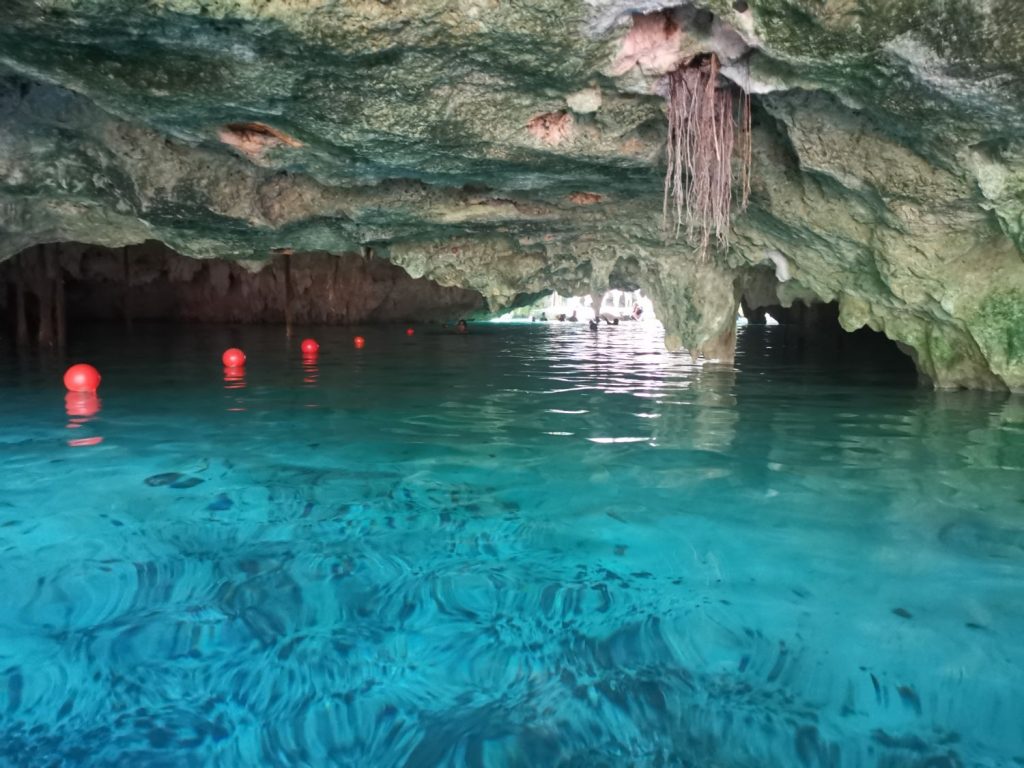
{"x": 809, "y": 334}
{"x": 49, "y": 287}
{"x": 608, "y": 307}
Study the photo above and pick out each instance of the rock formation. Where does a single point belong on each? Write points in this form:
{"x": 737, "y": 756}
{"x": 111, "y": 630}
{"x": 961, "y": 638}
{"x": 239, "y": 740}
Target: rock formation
{"x": 152, "y": 282}
{"x": 516, "y": 148}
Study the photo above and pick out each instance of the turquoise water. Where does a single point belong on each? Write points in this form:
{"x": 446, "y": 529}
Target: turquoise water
{"x": 529, "y": 546}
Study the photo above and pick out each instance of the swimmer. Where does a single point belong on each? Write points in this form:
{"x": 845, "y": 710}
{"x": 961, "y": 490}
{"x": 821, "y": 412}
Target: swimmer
{"x": 593, "y": 325}
{"x": 460, "y": 327}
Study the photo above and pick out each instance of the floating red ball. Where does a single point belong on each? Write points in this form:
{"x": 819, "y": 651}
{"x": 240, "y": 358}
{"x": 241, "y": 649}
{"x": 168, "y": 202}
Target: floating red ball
{"x": 309, "y": 347}
{"x": 82, "y": 378}
{"x": 359, "y": 342}
{"x": 410, "y": 331}
{"x": 233, "y": 358}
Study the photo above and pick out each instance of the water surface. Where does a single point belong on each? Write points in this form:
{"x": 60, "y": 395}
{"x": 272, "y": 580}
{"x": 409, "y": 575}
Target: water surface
{"x": 528, "y": 546}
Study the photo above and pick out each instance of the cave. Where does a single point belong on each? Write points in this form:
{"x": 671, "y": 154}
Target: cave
{"x": 298, "y": 471}
{"x": 53, "y": 286}
{"x": 150, "y": 282}
{"x": 811, "y": 335}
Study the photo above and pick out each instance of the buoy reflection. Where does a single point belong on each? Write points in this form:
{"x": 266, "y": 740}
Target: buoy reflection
{"x": 310, "y": 376}
{"x": 310, "y": 370}
{"x": 82, "y": 407}
{"x": 234, "y": 378}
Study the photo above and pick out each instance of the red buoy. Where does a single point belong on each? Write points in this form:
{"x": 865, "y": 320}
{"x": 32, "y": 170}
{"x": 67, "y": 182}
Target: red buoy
{"x": 310, "y": 347}
{"x": 410, "y": 331}
{"x": 233, "y": 358}
{"x": 82, "y": 378}
{"x": 359, "y": 342}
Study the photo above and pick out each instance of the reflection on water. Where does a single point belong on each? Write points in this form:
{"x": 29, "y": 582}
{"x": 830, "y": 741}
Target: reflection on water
{"x": 531, "y": 546}
{"x": 310, "y": 370}
{"x": 234, "y": 379}
{"x": 82, "y": 408}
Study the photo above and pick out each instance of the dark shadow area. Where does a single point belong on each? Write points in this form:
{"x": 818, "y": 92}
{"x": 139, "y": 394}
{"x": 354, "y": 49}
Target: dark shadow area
{"x": 48, "y": 288}
{"x": 810, "y": 335}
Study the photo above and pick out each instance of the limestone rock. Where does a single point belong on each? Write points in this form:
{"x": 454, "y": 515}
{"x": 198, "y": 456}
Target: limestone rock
{"x": 514, "y": 148}
{"x": 584, "y": 102}
{"x": 159, "y": 284}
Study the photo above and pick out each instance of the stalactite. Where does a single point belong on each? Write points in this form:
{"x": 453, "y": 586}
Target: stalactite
{"x": 700, "y": 147}
{"x": 288, "y": 292}
{"x": 59, "y": 301}
{"x": 331, "y": 295}
{"x": 126, "y": 298}
{"x": 746, "y": 140}
{"x": 44, "y": 292}
{"x": 21, "y": 317}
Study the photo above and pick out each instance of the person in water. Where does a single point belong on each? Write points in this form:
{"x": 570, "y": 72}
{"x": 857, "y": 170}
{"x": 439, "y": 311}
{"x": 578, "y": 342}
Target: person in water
{"x": 543, "y": 317}
{"x": 461, "y": 327}
{"x": 573, "y": 318}
{"x": 594, "y": 325}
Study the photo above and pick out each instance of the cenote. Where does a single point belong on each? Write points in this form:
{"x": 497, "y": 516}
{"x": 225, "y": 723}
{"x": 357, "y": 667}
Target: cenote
{"x": 527, "y": 545}
{"x": 511, "y": 384}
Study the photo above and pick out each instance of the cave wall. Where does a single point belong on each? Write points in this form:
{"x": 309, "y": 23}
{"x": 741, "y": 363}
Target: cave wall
{"x": 152, "y": 282}
{"x": 513, "y": 148}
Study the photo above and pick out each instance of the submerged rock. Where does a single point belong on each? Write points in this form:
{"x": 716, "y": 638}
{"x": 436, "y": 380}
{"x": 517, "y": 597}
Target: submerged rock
{"x": 164, "y": 478}
{"x": 516, "y": 148}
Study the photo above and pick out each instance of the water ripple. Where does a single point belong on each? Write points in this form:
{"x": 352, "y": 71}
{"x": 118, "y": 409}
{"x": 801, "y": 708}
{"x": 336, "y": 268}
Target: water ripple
{"x": 537, "y": 546}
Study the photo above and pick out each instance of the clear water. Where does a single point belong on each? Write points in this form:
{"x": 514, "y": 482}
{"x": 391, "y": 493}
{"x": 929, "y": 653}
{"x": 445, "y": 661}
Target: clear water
{"x": 525, "y": 547}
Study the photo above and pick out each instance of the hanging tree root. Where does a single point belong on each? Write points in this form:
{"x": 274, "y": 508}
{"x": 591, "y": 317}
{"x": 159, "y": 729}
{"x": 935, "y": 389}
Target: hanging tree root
{"x": 701, "y": 143}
